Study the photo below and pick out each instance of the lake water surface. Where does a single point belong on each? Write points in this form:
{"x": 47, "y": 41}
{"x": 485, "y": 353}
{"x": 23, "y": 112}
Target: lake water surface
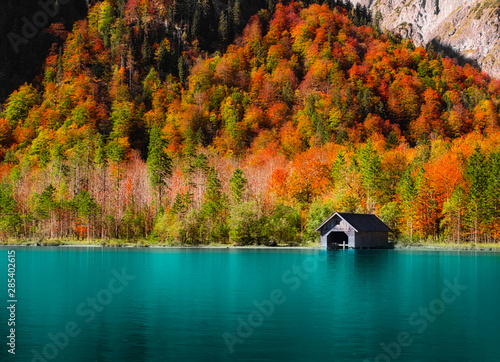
{"x": 95, "y": 304}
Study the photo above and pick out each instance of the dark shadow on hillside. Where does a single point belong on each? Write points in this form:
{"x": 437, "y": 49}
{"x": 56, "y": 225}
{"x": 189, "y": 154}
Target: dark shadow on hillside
{"x": 359, "y": 14}
{"x": 24, "y": 41}
{"x": 445, "y": 50}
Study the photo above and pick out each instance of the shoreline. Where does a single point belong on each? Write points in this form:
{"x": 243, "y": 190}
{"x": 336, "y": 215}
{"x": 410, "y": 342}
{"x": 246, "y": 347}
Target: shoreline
{"x": 96, "y": 246}
{"x": 494, "y": 248}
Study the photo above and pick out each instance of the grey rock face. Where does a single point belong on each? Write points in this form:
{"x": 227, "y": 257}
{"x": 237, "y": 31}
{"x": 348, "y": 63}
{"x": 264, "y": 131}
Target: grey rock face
{"x": 470, "y": 27}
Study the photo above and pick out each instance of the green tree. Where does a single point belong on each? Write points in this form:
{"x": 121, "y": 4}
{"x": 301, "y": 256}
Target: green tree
{"x": 100, "y": 157}
{"x": 270, "y": 5}
{"x": 246, "y": 227}
{"x": 159, "y": 162}
{"x": 179, "y": 207}
{"x": 150, "y": 85}
{"x": 476, "y": 173}
{"x": 237, "y": 17}
{"x": 213, "y": 192}
{"x": 19, "y": 104}
{"x": 223, "y": 28}
{"x": 392, "y": 141}
{"x": 408, "y": 193}
{"x": 237, "y": 185}
{"x": 121, "y": 118}
{"x": 214, "y": 208}
{"x": 201, "y": 162}
{"x": 453, "y": 212}
{"x": 100, "y": 163}
{"x": 493, "y": 190}
{"x": 339, "y": 167}
{"x": 319, "y": 211}
{"x": 45, "y": 202}
{"x": 45, "y": 208}
{"x": 181, "y": 68}
{"x": 371, "y": 173}
{"x": 195, "y": 25}
{"x": 284, "y": 224}
{"x": 147, "y": 53}
{"x": 389, "y": 214}
{"x": 162, "y": 56}
{"x": 10, "y": 221}
{"x": 116, "y": 150}
{"x": 106, "y": 20}
{"x": 87, "y": 208}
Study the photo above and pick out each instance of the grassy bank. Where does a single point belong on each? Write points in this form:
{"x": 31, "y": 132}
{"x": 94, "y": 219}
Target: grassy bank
{"x": 138, "y": 243}
{"x": 435, "y": 245}
{"x": 400, "y": 244}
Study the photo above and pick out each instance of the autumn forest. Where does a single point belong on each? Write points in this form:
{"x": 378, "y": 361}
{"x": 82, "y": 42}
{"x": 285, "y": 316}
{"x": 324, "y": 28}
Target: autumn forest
{"x": 161, "y": 121}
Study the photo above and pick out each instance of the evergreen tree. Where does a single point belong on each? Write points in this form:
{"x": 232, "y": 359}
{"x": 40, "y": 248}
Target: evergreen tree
{"x": 45, "y": 207}
{"x": 116, "y": 150}
{"x": 46, "y": 202}
{"x": 180, "y": 207}
{"x": 492, "y": 193}
{"x": 214, "y": 208}
{"x": 476, "y": 173}
{"x": 195, "y": 25}
{"x": 284, "y": 224}
{"x": 408, "y": 194}
{"x": 147, "y": 53}
{"x": 246, "y": 227}
{"x": 150, "y": 85}
{"x": 214, "y": 200}
{"x": 339, "y": 166}
{"x": 100, "y": 163}
{"x": 271, "y": 5}
{"x": 121, "y": 117}
{"x": 370, "y": 168}
{"x": 237, "y": 17}
{"x": 181, "y": 69}
{"x": 106, "y": 19}
{"x": 100, "y": 158}
{"x": 377, "y": 21}
{"x": 159, "y": 162}
{"x": 10, "y": 221}
{"x": 87, "y": 208}
{"x": 237, "y": 185}
{"x": 201, "y": 162}
{"x": 392, "y": 140}
{"x": 453, "y": 212}
{"x": 223, "y": 28}
{"x": 60, "y": 68}
{"x": 162, "y": 57}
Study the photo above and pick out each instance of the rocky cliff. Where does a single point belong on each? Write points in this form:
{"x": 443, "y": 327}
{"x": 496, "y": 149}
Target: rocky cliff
{"x": 470, "y": 27}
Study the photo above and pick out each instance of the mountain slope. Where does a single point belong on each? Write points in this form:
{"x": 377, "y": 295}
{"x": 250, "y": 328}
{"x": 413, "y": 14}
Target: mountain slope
{"x": 134, "y": 131}
{"x": 470, "y": 27}
{"x": 22, "y": 57}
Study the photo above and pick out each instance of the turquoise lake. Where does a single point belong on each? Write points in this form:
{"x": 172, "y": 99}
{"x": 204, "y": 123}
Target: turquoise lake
{"x": 95, "y": 304}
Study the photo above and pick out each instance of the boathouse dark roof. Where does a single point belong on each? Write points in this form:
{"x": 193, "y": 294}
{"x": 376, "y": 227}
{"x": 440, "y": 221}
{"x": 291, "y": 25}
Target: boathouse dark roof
{"x": 361, "y": 222}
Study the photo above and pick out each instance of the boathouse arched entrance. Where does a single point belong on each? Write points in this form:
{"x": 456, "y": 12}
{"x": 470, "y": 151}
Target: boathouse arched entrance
{"x": 337, "y": 239}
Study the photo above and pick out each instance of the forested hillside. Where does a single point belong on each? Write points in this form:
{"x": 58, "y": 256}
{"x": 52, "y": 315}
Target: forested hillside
{"x": 145, "y": 126}
{"x": 23, "y": 46}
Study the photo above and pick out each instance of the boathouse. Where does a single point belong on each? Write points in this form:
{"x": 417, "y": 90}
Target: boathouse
{"x": 355, "y": 231}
